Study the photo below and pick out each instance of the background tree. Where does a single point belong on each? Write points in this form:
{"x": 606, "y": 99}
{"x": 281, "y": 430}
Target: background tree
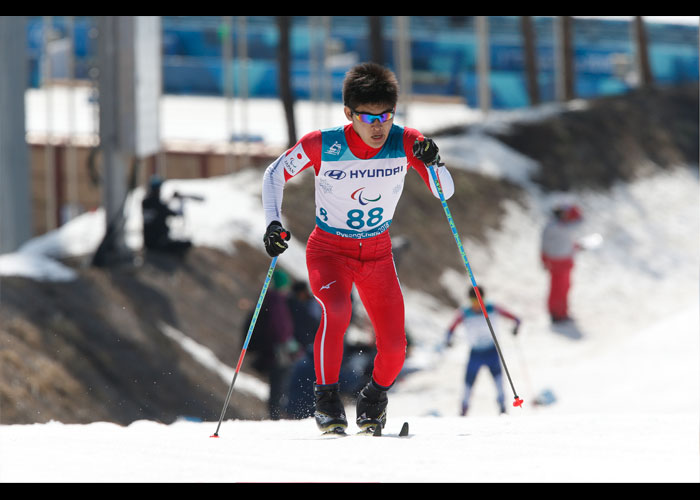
{"x": 376, "y": 39}
{"x": 285, "y": 76}
{"x": 568, "y": 68}
{"x": 646, "y": 77}
{"x": 530, "y": 57}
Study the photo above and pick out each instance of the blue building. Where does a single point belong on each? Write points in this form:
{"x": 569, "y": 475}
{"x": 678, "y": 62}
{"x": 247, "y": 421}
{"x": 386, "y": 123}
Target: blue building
{"x": 443, "y": 51}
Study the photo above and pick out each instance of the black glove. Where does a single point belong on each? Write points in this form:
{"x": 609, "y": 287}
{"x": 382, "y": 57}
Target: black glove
{"x": 426, "y": 151}
{"x": 275, "y": 238}
{"x": 515, "y": 329}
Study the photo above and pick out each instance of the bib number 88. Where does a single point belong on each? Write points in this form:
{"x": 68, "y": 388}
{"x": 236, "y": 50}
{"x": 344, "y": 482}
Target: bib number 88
{"x": 356, "y": 218}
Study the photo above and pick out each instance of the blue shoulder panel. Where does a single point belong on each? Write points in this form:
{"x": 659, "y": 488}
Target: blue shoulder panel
{"x": 334, "y": 147}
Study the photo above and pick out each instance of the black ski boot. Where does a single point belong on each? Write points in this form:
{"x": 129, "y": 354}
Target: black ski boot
{"x": 371, "y": 407}
{"x": 330, "y": 412}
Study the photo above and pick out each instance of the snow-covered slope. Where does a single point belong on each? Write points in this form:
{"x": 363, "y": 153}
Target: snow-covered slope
{"x": 626, "y": 379}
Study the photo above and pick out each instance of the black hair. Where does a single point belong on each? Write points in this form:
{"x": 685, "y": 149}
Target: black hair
{"x": 472, "y": 293}
{"x": 370, "y": 83}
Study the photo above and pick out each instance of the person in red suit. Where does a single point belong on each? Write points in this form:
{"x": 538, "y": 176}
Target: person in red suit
{"x": 559, "y": 245}
{"x": 359, "y": 170}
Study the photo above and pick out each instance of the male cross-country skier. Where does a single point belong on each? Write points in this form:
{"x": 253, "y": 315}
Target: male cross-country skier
{"x": 359, "y": 176}
{"x": 482, "y": 349}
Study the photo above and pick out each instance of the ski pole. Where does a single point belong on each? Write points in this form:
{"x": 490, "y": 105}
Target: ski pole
{"x": 523, "y": 366}
{"x": 433, "y": 174}
{"x": 247, "y": 340}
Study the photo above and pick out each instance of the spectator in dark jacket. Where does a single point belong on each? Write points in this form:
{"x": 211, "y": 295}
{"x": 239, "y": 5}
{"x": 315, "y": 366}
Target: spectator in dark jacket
{"x": 273, "y": 342}
{"x": 306, "y": 314}
{"x": 155, "y": 222}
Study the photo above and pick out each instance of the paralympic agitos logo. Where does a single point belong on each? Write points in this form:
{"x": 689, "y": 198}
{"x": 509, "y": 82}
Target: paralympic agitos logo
{"x": 357, "y": 195}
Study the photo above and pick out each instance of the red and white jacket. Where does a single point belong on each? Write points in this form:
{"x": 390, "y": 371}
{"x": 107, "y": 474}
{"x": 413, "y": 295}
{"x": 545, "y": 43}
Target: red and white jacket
{"x": 357, "y": 187}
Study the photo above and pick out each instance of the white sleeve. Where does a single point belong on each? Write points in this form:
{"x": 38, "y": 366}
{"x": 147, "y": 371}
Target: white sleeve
{"x": 272, "y": 191}
{"x": 445, "y": 180}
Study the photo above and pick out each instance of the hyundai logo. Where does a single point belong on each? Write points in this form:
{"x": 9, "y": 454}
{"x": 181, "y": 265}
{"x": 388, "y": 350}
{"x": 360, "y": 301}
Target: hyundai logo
{"x": 335, "y": 174}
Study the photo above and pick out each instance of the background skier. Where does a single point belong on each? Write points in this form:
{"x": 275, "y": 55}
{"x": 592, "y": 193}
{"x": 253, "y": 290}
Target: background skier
{"x": 482, "y": 348}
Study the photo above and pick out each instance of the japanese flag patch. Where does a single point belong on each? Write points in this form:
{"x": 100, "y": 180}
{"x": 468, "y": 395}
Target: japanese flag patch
{"x": 295, "y": 160}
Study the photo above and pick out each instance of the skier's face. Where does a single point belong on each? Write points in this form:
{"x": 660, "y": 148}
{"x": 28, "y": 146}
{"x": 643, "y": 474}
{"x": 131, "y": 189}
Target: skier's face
{"x": 372, "y": 122}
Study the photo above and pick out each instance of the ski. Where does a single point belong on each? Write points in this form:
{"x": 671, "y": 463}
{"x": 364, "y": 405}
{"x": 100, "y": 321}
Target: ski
{"x": 337, "y": 430}
{"x": 376, "y": 431}
{"x": 369, "y": 430}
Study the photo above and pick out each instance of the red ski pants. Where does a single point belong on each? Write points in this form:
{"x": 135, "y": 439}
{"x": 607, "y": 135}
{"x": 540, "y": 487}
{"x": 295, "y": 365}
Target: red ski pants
{"x": 560, "y": 283}
{"x": 334, "y": 264}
